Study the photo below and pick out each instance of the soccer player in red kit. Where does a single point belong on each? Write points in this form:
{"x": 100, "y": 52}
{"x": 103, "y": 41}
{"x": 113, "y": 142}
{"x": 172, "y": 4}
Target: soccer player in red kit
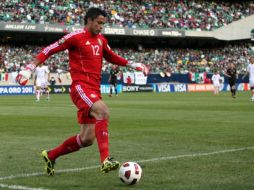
{"x": 86, "y": 50}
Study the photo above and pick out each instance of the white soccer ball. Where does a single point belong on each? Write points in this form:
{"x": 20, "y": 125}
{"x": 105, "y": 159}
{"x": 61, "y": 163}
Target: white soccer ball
{"x": 23, "y": 77}
{"x": 130, "y": 173}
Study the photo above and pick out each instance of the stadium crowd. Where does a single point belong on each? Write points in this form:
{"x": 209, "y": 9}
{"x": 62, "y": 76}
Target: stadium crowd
{"x": 182, "y": 14}
{"x": 13, "y": 58}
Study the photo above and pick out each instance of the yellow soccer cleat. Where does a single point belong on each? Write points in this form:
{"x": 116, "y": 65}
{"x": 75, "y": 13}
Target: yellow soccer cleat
{"x": 49, "y": 165}
{"x": 109, "y": 164}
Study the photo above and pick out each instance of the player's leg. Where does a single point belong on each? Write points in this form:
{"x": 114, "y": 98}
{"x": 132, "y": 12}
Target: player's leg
{"x": 252, "y": 92}
{"x": 37, "y": 93}
{"x": 115, "y": 86}
{"x": 84, "y": 139}
{"x": 38, "y": 87}
{"x": 216, "y": 89}
{"x": 232, "y": 88}
{"x": 47, "y": 92}
{"x": 100, "y": 112}
{"x": 251, "y": 85}
{"x": 111, "y": 90}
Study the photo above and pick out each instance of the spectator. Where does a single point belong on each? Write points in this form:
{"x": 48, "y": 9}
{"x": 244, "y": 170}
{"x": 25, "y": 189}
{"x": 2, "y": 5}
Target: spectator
{"x": 52, "y": 81}
{"x": 189, "y": 15}
{"x": 167, "y": 60}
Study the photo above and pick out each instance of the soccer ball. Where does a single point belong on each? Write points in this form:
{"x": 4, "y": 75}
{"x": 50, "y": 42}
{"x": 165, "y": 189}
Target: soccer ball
{"x": 130, "y": 173}
{"x": 21, "y": 80}
{"x": 23, "y": 77}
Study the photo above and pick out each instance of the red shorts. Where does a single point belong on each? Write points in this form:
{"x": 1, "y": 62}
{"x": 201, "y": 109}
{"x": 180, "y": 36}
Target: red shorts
{"x": 84, "y": 97}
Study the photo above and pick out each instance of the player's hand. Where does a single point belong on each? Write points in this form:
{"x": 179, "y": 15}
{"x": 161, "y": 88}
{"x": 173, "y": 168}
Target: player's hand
{"x": 23, "y": 76}
{"x": 138, "y": 67}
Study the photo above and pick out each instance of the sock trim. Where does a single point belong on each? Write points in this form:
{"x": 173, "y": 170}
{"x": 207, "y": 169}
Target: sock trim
{"x": 79, "y": 141}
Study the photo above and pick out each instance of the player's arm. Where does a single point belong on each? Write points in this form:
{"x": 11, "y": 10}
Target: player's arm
{"x": 245, "y": 74}
{"x": 112, "y": 57}
{"x": 48, "y": 77}
{"x": 35, "y": 78}
{"x": 64, "y": 43}
{"x": 226, "y": 74}
{"x": 48, "y": 73}
{"x": 109, "y": 78}
{"x": 236, "y": 74}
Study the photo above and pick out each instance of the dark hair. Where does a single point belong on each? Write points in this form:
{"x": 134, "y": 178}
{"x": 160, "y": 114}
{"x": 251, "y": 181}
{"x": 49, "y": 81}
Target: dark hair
{"x": 93, "y": 13}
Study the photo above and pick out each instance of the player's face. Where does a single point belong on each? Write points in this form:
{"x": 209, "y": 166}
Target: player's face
{"x": 252, "y": 60}
{"x": 95, "y": 26}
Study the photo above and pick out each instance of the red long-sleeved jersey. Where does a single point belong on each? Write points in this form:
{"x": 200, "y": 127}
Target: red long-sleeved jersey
{"x": 85, "y": 56}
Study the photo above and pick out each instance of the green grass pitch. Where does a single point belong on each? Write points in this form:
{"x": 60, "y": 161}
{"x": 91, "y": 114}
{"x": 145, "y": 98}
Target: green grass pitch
{"x": 169, "y": 134}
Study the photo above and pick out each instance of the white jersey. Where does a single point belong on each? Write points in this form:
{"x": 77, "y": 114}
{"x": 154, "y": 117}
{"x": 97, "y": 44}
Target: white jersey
{"x": 42, "y": 72}
{"x": 250, "y": 69}
{"x": 41, "y": 76}
{"x": 216, "y": 79}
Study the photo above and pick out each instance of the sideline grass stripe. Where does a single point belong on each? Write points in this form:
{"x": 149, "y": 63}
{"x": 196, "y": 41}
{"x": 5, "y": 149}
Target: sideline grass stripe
{"x": 140, "y": 161}
{"x": 19, "y": 187}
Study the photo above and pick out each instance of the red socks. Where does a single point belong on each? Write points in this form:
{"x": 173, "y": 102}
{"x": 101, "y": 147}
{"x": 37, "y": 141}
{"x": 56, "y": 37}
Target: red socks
{"x": 101, "y": 133}
{"x": 72, "y": 144}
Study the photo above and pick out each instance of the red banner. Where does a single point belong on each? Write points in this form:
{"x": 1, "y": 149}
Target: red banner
{"x": 200, "y": 87}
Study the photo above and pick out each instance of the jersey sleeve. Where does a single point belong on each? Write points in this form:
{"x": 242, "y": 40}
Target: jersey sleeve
{"x": 111, "y": 56}
{"x": 47, "y": 69}
{"x": 248, "y": 68}
{"x": 64, "y": 43}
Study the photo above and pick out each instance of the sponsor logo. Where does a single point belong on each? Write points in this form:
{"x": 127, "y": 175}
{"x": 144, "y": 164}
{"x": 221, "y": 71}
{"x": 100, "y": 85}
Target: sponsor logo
{"x": 20, "y": 27}
{"x": 59, "y": 89}
{"x": 180, "y": 88}
{"x": 53, "y": 29}
{"x": 130, "y": 88}
{"x": 146, "y": 88}
{"x": 88, "y": 43}
{"x": 143, "y": 32}
{"x": 200, "y": 87}
{"x": 119, "y": 31}
{"x": 171, "y": 33}
{"x": 13, "y": 90}
{"x": 163, "y": 87}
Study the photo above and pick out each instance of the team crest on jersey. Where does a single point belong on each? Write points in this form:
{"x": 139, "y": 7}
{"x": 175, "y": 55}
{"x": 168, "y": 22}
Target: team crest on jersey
{"x": 61, "y": 41}
{"x": 100, "y": 42}
{"x": 93, "y": 95}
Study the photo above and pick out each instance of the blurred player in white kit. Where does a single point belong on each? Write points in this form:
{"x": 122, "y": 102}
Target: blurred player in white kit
{"x": 216, "y": 82}
{"x": 41, "y": 79}
{"x": 250, "y": 70}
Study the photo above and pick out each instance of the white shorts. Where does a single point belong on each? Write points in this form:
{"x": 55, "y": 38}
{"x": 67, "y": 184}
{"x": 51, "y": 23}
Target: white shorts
{"x": 251, "y": 82}
{"x": 216, "y": 84}
{"x": 43, "y": 83}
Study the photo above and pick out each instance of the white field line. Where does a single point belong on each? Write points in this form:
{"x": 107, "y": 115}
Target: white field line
{"x": 19, "y": 187}
{"x": 140, "y": 161}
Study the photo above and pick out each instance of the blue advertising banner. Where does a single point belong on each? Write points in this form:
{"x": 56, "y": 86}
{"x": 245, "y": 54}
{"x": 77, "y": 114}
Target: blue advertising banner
{"x": 169, "y": 87}
{"x": 180, "y": 88}
{"x": 16, "y": 90}
{"x": 164, "y": 87}
{"x": 105, "y": 89}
